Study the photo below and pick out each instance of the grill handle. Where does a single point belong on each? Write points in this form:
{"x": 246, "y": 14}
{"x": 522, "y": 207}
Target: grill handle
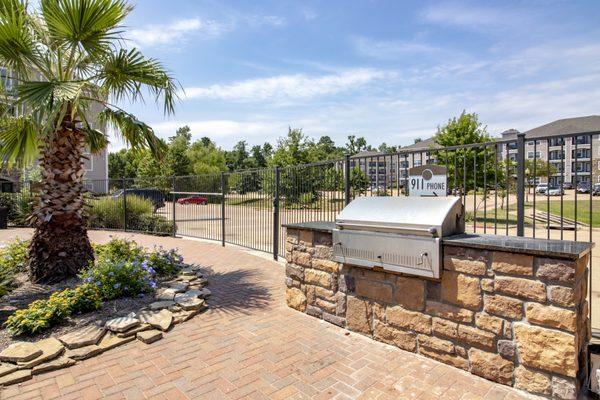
{"x": 431, "y": 231}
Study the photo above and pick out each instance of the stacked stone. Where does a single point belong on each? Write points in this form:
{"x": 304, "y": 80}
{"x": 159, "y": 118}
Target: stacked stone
{"x": 312, "y": 277}
{"x": 516, "y": 319}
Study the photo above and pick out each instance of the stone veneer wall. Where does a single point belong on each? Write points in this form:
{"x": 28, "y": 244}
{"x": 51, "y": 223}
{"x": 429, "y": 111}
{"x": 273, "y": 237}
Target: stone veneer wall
{"x": 516, "y": 319}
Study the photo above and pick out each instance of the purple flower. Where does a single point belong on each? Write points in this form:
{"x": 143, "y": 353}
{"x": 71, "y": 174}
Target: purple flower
{"x": 117, "y": 285}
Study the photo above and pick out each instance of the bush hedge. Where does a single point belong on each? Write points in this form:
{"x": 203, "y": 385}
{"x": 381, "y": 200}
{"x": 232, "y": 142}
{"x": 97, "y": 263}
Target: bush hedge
{"x": 109, "y": 213}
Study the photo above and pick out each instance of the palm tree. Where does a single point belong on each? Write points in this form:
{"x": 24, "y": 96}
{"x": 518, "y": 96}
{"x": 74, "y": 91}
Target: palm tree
{"x": 66, "y": 58}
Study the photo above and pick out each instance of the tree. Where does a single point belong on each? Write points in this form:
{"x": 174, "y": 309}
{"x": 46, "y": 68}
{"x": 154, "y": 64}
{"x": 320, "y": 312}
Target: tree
{"x": 466, "y": 129}
{"x": 355, "y": 145}
{"x": 177, "y": 160}
{"x": 67, "y": 59}
{"x": 206, "y": 158}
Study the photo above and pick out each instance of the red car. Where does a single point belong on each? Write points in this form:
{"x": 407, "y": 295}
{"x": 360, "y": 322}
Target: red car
{"x": 193, "y": 200}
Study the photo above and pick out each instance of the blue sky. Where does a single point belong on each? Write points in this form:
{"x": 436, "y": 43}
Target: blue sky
{"x": 387, "y": 70}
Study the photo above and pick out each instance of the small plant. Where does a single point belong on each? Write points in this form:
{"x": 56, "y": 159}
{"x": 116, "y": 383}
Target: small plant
{"x": 13, "y": 259}
{"x": 165, "y": 263}
{"x": 43, "y": 314}
{"x": 118, "y": 250}
{"x": 117, "y": 278}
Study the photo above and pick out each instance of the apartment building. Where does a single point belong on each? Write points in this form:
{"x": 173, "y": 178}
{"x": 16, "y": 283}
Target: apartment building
{"x": 575, "y": 159}
{"x": 95, "y": 165}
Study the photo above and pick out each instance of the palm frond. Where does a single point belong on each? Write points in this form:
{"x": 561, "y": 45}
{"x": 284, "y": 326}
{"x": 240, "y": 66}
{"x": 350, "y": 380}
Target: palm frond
{"x": 17, "y": 45}
{"x": 18, "y": 141}
{"x": 135, "y": 132}
{"x": 127, "y": 72}
{"x": 39, "y": 93}
{"x": 89, "y": 24}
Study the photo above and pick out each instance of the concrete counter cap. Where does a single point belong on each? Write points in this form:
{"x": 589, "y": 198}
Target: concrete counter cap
{"x": 319, "y": 226}
{"x": 538, "y": 247}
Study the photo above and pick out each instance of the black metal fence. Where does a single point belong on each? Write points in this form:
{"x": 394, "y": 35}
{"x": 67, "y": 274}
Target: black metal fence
{"x": 519, "y": 186}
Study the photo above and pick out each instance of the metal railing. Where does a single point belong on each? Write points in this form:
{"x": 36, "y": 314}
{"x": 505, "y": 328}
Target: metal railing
{"x": 500, "y": 183}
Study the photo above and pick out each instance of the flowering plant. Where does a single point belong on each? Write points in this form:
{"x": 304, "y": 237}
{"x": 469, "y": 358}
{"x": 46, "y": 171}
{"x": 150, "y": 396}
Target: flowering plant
{"x": 120, "y": 278}
{"x": 165, "y": 262}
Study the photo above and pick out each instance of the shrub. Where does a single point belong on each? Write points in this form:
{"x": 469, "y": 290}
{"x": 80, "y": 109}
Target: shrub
{"x": 42, "y": 314}
{"x": 165, "y": 263}
{"x": 118, "y": 250}
{"x": 13, "y": 259}
{"x": 18, "y": 205}
{"x": 109, "y": 213}
{"x": 120, "y": 278}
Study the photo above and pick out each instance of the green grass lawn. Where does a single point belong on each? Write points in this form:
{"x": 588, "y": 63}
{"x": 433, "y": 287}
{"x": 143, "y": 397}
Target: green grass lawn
{"x": 583, "y": 210}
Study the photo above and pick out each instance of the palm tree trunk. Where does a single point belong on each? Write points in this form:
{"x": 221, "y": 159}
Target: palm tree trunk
{"x": 60, "y": 246}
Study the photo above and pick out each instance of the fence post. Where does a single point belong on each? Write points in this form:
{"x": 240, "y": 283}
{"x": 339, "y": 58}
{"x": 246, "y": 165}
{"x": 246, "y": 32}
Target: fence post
{"x": 174, "y": 202}
{"x": 124, "y": 184}
{"x": 223, "y": 209}
{"x": 276, "y": 215}
{"x": 347, "y": 180}
{"x": 520, "y": 184}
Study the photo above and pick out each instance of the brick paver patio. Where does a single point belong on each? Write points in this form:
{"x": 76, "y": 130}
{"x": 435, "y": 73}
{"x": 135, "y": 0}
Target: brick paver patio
{"x": 249, "y": 344}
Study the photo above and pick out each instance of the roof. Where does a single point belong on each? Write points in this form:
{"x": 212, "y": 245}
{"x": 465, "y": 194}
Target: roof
{"x": 422, "y": 145}
{"x": 565, "y": 126}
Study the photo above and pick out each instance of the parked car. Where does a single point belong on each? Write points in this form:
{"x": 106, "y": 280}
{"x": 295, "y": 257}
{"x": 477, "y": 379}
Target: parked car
{"x": 596, "y": 190}
{"x": 193, "y": 200}
{"x": 583, "y": 187}
{"x": 554, "y": 191}
{"x": 541, "y": 188}
{"x": 567, "y": 185}
{"x": 154, "y": 195}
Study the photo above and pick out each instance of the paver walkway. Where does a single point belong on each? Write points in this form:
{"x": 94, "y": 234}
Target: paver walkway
{"x": 250, "y": 345}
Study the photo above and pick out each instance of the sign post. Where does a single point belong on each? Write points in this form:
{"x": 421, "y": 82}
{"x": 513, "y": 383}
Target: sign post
{"x": 427, "y": 180}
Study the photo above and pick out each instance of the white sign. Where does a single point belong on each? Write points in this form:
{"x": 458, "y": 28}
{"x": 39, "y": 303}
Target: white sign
{"x": 427, "y": 180}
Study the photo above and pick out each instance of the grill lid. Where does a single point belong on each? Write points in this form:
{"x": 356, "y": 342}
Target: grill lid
{"x": 435, "y": 216}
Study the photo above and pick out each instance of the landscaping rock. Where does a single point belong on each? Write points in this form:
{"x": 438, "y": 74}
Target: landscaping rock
{"x": 166, "y": 294}
{"x": 192, "y": 304}
{"x": 133, "y": 331}
{"x": 150, "y": 336}
{"x": 51, "y": 348}
{"x": 183, "y": 316}
{"x": 111, "y": 340}
{"x": 204, "y": 293}
{"x": 58, "y": 363}
{"x": 161, "y": 320}
{"x": 20, "y": 351}
{"x": 122, "y": 324}
{"x": 82, "y": 353}
{"x": 6, "y": 368}
{"x": 87, "y": 336}
{"x": 159, "y": 305}
{"x": 15, "y": 377}
{"x": 179, "y": 286}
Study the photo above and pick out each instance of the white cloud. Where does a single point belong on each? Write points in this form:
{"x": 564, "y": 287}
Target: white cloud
{"x": 291, "y": 86}
{"x": 257, "y": 21}
{"x": 390, "y": 49}
{"x": 164, "y": 34}
{"x": 472, "y": 16}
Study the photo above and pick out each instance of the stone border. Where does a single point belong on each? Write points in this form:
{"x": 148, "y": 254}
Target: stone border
{"x": 177, "y": 301}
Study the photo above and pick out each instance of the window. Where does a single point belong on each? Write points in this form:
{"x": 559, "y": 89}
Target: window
{"x": 417, "y": 163}
{"x": 581, "y": 153}
{"x": 557, "y": 142}
{"x": 581, "y": 140}
{"x": 556, "y": 155}
{"x": 582, "y": 166}
{"x": 531, "y": 155}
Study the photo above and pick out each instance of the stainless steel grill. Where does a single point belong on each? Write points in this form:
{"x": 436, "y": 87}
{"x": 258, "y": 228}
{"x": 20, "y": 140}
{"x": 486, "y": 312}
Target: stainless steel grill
{"x": 397, "y": 234}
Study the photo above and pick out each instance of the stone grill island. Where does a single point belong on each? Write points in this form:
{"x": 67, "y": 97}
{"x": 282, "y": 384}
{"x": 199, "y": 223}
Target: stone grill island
{"x": 512, "y": 310}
